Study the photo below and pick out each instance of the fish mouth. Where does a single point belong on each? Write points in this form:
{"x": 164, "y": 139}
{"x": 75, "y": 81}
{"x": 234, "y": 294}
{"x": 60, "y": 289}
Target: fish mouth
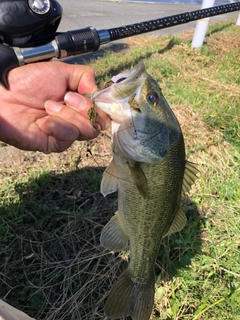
{"x": 128, "y": 82}
{"x": 114, "y": 99}
{"x": 130, "y": 75}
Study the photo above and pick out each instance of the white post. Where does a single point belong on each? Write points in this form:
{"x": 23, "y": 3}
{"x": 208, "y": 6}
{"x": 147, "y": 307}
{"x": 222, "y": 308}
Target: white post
{"x": 201, "y": 26}
{"x": 238, "y": 19}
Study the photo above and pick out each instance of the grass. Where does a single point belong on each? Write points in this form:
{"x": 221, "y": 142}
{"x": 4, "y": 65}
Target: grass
{"x": 52, "y": 212}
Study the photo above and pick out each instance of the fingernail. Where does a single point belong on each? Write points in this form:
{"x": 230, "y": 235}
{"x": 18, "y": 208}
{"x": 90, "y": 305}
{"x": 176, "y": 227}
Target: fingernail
{"x": 52, "y": 106}
{"x": 97, "y": 126}
{"x": 41, "y": 120}
{"x": 75, "y": 100}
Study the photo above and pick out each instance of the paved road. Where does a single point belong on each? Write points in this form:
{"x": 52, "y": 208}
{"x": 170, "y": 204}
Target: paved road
{"x": 108, "y": 14}
{"x": 78, "y": 14}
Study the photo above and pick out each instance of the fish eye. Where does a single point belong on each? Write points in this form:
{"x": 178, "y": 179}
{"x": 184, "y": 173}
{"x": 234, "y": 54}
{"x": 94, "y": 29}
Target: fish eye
{"x": 153, "y": 98}
{"x": 120, "y": 80}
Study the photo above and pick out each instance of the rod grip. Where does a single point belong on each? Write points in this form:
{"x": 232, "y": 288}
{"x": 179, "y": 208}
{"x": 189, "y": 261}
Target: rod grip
{"x": 76, "y": 42}
{"x": 8, "y": 61}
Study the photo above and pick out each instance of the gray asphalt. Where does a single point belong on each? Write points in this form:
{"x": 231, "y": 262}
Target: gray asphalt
{"x": 78, "y": 14}
{"x": 108, "y": 14}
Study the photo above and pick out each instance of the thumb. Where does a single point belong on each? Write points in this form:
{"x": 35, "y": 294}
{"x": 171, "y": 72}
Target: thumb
{"x": 80, "y": 78}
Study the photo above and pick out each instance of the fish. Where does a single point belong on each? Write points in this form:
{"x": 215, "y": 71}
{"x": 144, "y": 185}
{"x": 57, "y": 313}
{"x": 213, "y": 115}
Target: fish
{"x": 151, "y": 174}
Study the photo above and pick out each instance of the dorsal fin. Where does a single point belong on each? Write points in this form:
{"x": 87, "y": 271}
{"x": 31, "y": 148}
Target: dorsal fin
{"x": 190, "y": 175}
{"x": 109, "y": 181}
{"x": 138, "y": 178}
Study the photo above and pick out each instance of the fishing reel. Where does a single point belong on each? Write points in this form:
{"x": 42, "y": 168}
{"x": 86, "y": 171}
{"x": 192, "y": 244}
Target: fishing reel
{"x": 25, "y": 23}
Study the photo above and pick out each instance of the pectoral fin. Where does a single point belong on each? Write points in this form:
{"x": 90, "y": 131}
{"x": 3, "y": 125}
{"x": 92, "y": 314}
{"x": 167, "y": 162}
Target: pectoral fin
{"x": 139, "y": 178}
{"x": 109, "y": 181}
{"x": 113, "y": 236}
{"x": 190, "y": 175}
{"x": 178, "y": 223}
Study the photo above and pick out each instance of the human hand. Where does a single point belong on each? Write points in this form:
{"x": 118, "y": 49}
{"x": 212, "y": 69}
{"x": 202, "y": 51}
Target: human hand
{"x": 36, "y": 113}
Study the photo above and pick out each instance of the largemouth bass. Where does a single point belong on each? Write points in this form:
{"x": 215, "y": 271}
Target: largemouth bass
{"x": 151, "y": 174}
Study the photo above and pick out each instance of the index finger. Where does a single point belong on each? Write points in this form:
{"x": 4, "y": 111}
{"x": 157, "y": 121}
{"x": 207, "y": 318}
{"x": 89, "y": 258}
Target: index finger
{"x": 80, "y": 78}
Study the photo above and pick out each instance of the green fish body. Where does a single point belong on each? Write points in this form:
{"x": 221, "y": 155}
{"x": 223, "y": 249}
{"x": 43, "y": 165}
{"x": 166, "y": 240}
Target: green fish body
{"x": 150, "y": 172}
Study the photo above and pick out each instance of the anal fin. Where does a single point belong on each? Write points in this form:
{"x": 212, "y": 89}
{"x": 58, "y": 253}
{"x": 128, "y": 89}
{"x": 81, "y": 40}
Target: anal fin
{"x": 113, "y": 236}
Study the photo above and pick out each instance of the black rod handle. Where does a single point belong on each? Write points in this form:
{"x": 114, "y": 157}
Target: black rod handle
{"x": 8, "y": 61}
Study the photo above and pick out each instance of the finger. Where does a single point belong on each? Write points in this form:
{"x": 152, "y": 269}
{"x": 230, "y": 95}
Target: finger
{"x": 60, "y": 135}
{"x": 78, "y": 102}
{"x": 70, "y": 116}
{"x": 82, "y": 105}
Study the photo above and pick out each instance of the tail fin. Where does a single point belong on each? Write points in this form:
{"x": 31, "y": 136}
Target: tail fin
{"x": 129, "y": 298}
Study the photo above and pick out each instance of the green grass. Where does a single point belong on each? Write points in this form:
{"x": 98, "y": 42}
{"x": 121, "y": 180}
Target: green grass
{"x": 52, "y": 212}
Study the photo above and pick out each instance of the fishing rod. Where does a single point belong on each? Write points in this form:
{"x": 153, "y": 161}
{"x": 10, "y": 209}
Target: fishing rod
{"x": 28, "y": 32}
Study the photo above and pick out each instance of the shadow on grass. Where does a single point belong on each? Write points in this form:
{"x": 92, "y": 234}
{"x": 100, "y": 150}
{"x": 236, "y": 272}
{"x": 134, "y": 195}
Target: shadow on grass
{"x": 124, "y": 65}
{"x": 51, "y": 264}
{"x": 218, "y": 28}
